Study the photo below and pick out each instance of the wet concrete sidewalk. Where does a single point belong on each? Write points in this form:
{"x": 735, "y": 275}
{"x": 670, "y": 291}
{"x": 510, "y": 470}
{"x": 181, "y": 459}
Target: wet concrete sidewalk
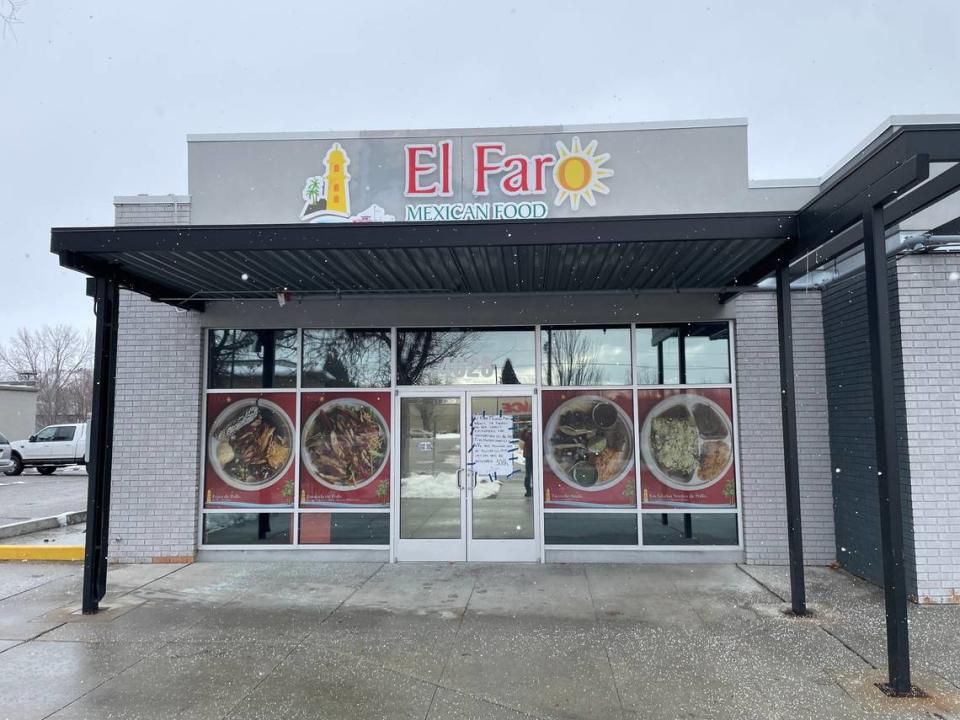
{"x": 324, "y": 640}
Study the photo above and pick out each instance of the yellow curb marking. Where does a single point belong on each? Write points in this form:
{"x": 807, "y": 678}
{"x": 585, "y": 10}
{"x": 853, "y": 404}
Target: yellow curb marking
{"x": 41, "y": 552}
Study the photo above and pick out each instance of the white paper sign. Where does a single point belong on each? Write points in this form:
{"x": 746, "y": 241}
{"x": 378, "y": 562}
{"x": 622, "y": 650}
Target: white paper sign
{"x": 493, "y": 444}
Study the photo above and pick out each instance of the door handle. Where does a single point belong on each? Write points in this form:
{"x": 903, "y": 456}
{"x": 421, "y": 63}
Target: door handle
{"x": 459, "y": 484}
{"x": 475, "y": 480}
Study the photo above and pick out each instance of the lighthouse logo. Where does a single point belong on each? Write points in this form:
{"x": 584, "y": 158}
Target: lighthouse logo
{"x": 326, "y": 198}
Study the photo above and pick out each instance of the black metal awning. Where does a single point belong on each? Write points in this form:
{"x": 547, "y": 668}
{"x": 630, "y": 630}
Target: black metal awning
{"x": 190, "y": 264}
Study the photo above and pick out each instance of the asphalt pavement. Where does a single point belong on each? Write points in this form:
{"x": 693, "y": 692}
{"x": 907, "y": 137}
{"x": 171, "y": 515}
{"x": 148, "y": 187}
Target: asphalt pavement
{"x": 31, "y": 495}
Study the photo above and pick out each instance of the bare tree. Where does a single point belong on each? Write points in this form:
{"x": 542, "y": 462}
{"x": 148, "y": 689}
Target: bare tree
{"x": 59, "y": 360}
{"x": 572, "y": 358}
{"x": 9, "y": 18}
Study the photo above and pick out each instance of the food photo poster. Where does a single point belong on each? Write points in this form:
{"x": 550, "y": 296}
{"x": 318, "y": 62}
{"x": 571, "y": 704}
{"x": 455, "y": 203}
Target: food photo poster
{"x": 345, "y": 449}
{"x": 250, "y": 448}
{"x": 687, "y": 448}
{"x": 588, "y": 449}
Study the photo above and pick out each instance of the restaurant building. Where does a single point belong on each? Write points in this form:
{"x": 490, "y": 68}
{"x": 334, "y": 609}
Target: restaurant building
{"x": 547, "y": 344}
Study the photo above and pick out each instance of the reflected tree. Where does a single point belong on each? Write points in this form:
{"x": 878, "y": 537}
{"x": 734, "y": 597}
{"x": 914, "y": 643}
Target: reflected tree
{"x": 252, "y": 358}
{"x": 420, "y": 351}
{"x": 571, "y": 358}
{"x": 508, "y": 376}
{"x": 346, "y": 358}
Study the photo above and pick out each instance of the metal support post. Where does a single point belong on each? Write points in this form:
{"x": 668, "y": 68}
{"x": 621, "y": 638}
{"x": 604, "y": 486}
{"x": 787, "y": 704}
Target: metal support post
{"x": 888, "y": 466}
{"x": 788, "y": 409}
{"x": 106, "y": 300}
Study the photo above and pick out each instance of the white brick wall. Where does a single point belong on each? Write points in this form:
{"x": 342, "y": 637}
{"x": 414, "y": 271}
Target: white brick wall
{"x": 152, "y": 210}
{"x": 929, "y": 305}
{"x": 761, "y": 435}
{"x": 156, "y": 455}
{"x": 153, "y": 503}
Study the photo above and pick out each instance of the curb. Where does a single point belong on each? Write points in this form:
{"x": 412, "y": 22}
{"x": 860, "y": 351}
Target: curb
{"x": 41, "y": 552}
{"x": 47, "y": 523}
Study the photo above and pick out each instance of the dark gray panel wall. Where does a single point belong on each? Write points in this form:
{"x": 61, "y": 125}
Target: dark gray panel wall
{"x": 852, "y": 445}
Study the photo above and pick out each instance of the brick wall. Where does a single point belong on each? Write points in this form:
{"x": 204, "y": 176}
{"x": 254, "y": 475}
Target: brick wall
{"x": 152, "y": 210}
{"x": 928, "y": 293}
{"x": 153, "y": 503}
{"x": 852, "y": 434}
{"x": 761, "y": 435}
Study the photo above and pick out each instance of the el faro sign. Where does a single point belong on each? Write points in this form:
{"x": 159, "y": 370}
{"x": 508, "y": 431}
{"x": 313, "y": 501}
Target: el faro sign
{"x": 492, "y": 183}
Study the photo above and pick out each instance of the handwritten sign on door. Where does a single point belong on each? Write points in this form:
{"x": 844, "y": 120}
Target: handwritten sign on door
{"x": 493, "y": 445}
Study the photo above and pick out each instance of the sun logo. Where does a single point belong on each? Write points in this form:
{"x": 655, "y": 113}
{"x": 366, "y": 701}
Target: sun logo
{"x": 578, "y": 172}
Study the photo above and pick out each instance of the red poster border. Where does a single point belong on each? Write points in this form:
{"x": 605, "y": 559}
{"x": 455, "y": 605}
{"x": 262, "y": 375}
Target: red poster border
{"x": 656, "y": 495}
{"x": 373, "y": 496}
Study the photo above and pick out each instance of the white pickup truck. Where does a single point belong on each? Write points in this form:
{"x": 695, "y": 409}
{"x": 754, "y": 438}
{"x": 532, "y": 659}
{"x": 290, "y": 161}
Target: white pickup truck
{"x": 52, "y": 447}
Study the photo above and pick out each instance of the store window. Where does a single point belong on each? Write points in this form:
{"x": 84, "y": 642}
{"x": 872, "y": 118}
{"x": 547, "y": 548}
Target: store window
{"x": 466, "y": 356}
{"x": 707, "y": 354}
{"x": 346, "y": 358}
{"x": 252, "y": 359}
{"x": 246, "y": 529}
{"x": 345, "y": 529}
{"x": 691, "y": 354}
{"x": 590, "y": 528}
{"x": 585, "y": 356}
{"x": 690, "y": 529}
{"x": 687, "y": 448}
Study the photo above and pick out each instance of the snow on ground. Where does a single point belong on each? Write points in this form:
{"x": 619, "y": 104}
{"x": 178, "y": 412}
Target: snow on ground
{"x": 444, "y": 485}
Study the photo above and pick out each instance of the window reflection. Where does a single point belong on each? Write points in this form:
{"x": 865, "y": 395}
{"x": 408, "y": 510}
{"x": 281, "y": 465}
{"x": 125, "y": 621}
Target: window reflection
{"x": 467, "y": 356}
{"x": 590, "y": 529}
{"x": 246, "y": 529}
{"x": 345, "y": 529}
{"x": 585, "y": 356}
{"x": 657, "y": 355}
{"x": 346, "y": 358}
{"x": 693, "y": 354}
{"x": 252, "y": 359}
{"x": 690, "y": 529}
{"x": 707, "y": 354}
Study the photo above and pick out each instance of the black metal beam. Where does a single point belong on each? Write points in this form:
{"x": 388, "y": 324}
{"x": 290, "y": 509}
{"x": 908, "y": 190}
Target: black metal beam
{"x": 951, "y": 227}
{"x": 354, "y": 236}
{"x": 764, "y": 267}
{"x": 791, "y": 464}
{"x": 822, "y": 222}
{"x": 888, "y": 466}
{"x": 816, "y": 229}
{"x": 106, "y": 299}
{"x": 100, "y": 269}
{"x": 933, "y": 190}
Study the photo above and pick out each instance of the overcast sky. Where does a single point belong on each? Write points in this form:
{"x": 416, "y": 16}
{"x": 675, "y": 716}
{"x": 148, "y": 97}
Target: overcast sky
{"x": 97, "y": 97}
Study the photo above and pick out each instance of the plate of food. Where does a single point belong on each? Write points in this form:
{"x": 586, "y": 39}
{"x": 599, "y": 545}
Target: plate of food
{"x": 250, "y": 445}
{"x": 345, "y": 444}
{"x": 687, "y": 442}
{"x": 589, "y": 442}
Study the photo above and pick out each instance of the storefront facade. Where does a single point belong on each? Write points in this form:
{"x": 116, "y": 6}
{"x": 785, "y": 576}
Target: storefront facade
{"x": 483, "y": 390}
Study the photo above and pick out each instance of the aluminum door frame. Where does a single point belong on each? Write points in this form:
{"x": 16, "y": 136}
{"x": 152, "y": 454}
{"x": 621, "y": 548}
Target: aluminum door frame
{"x": 440, "y": 549}
{"x": 521, "y": 550}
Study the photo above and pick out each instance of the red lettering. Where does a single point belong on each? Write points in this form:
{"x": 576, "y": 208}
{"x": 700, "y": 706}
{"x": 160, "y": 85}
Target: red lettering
{"x": 540, "y": 164}
{"x": 446, "y": 163}
{"x": 515, "y": 182}
{"x": 415, "y": 170}
{"x": 482, "y": 168}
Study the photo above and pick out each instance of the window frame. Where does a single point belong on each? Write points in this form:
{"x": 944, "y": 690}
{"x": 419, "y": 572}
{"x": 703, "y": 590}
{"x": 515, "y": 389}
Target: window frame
{"x": 537, "y": 387}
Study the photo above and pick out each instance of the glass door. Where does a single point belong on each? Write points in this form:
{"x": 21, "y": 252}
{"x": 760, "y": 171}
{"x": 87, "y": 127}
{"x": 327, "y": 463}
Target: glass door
{"x": 432, "y": 477}
{"x": 501, "y": 493}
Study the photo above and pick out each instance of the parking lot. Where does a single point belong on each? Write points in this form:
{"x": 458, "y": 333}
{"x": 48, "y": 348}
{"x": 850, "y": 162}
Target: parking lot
{"x": 31, "y": 495}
